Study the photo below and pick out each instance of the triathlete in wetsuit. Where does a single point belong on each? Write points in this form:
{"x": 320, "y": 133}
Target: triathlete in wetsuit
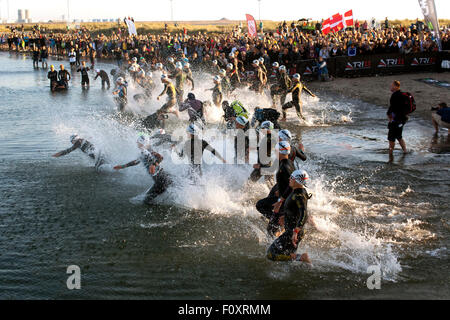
{"x": 64, "y": 77}
{"x": 296, "y": 102}
{"x": 241, "y": 140}
{"x": 122, "y": 93}
{"x": 84, "y": 74}
{"x": 296, "y": 215}
{"x": 193, "y": 149}
{"x": 104, "y": 76}
{"x": 233, "y": 75}
{"x": 270, "y": 206}
{"x": 217, "y": 94}
{"x": 282, "y": 86}
{"x": 180, "y": 78}
{"x": 170, "y": 91}
{"x": 86, "y": 147}
{"x": 265, "y": 147}
{"x": 53, "y": 77}
{"x": 151, "y": 161}
{"x": 194, "y": 107}
{"x": 297, "y": 151}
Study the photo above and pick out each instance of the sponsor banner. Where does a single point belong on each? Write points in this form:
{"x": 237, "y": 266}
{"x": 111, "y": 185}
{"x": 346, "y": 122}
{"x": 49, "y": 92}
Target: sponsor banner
{"x": 375, "y": 64}
{"x": 429, "y": 12}
{"x": 251, "y": 24}
{"x": 131, "y": 27}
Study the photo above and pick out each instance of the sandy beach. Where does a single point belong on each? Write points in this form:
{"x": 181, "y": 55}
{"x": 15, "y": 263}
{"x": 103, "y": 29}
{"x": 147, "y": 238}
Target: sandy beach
{"x": 376, "y": 89}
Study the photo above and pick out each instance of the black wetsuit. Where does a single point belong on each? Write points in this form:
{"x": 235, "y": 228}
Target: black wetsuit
{"x": 105, "y": 78}
{"x": 161, "y": 178}
{"x": 265, "y": 206}
{"x": 87, "y": 148}
{"x": 193, "y": 149}
{"x": 53, "y": 76}
{"x": 281, "y": 87}
{"x": 64, "y": 77}
{"x": 296, "y": 102}
{"x": 84, "y": 75}
{"x": 297, "y": 153}
{"x": 296, "y": 214}
{"x": 266, "y": 167}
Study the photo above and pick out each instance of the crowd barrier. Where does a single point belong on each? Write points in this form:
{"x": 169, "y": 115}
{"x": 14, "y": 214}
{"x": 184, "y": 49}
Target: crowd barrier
{"x": 380, "y": 64}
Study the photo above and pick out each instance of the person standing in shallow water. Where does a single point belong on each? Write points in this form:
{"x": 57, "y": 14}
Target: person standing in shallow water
{"x": 397, "y": 119}
{"x": 84, "y": 74}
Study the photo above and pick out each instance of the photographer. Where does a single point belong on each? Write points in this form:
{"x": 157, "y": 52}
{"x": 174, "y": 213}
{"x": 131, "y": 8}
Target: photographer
{"x": 441, "y": 117}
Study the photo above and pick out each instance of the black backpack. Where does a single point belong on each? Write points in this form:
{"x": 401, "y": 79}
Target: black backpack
{"x": 410, "y": 103}
{"x": 271, "y": 115}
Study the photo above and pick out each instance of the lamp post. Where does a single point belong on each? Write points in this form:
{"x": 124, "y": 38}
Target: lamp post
{"x": 68, "y": 11}
{"x": 259, "y": 5}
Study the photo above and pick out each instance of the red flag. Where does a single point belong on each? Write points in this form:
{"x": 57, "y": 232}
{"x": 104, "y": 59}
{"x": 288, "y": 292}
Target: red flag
{"x": 251, "y": 24}
{"x": 348, "y": 18}
{"x": 326, "y": 27}
{"x": 337, "y": 22}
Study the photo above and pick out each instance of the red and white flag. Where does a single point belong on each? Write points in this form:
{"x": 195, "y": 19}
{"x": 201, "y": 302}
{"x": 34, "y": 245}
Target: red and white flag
{"x": 337, "y": 22}
{"x": 326, "y": 27}
{"x": 251, "y": 24}
{"x": 348, "y": 18}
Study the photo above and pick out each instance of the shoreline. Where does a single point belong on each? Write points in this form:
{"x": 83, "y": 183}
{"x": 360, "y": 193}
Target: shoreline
{"x": 376, "y": 90}
{"x": 370, "y": 89}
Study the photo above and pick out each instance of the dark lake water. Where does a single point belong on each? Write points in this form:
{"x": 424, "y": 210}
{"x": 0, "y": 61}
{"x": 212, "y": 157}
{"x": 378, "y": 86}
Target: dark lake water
{"x": 208, "y": 241}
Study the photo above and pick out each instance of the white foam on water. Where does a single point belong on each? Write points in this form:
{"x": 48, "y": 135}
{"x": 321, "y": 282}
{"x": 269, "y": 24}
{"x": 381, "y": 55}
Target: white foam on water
{"x": 222, "y": 189}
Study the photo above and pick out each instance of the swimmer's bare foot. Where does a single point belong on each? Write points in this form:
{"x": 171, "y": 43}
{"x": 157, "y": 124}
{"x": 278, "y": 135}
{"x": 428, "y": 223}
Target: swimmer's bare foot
{"x": 303, "y": 258}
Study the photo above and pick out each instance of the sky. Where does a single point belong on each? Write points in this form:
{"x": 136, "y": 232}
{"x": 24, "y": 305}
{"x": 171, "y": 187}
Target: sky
{"x": 193, "y": 10}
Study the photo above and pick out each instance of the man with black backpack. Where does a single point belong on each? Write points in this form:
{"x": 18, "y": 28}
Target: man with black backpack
{"x": 401, "y": 104}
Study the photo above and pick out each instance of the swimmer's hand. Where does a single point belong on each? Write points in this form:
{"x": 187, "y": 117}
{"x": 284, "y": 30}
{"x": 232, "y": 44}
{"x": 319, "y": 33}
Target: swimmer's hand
{"x": 152, "y": 169}
{"x": 256, "y": 166}
{"x": 118, "y": 167}
{"x": 295, "y": 237}
{"x": 157, "y": 98}
{"x": 277, "y": 206}
{"x": 57, "y": 155}
{"x": 301, "y": 146}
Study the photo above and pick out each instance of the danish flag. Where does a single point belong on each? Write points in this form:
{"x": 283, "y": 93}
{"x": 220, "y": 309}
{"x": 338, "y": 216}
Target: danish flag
{"x": 337, "y": 22}
{"x": 326, "y": 27}
{"x": 348, "y": 18}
